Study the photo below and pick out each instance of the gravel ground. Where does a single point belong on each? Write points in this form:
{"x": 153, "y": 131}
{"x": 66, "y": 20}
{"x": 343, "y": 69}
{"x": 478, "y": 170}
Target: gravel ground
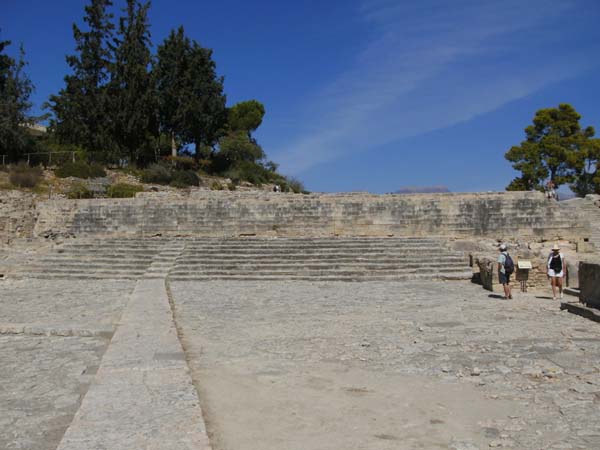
{"x": 303, "y": 366}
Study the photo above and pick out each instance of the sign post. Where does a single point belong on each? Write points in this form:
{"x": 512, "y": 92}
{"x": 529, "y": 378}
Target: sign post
{"x": 523, "y": 268}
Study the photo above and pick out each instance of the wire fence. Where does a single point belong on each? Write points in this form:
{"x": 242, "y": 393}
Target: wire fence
{"x": 43, "y": 158}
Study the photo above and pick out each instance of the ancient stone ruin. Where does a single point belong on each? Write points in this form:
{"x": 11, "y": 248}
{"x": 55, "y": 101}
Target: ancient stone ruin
{"x": 258, "y": 320}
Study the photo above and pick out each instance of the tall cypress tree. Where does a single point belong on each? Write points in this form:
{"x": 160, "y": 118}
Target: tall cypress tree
{"x": 15, "y": 90}
{"x": 192, "y": 102}
{"x": 205, "y": 111}
{"x": 81, "y": 108}
{"x": 132, "y": 92}
{"x": 169, "y": 72}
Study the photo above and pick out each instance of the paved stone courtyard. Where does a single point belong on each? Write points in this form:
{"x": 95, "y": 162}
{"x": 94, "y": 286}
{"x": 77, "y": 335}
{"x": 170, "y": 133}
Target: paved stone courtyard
{"x": 389, "y": 366}
{"x": 52, "y": 338}
{"x": 303, "y": 366}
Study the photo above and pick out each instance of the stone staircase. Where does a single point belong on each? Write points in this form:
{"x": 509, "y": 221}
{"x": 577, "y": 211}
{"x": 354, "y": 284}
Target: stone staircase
{"x": 128, "y": 259}
{"x": 320, "y": 259}
{"x": 317, "y": 259}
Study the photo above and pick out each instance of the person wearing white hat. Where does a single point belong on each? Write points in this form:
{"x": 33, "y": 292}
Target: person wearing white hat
{"x": 557, "y": 269}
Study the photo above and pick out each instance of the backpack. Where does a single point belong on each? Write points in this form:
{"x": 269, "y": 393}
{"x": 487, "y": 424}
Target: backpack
{"x": 509, "y": 265}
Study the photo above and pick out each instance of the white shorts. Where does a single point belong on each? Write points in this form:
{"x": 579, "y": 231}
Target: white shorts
{"x": 551, "y": 273}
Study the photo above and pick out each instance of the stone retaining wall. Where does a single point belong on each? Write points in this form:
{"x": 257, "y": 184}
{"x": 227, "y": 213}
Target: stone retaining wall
{"x": 501, "y": 215}
{"x": 17, "y": 215}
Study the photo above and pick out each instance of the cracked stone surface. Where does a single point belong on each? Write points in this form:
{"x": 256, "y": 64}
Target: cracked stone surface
{"x": 45, "y": 376}
{"x": 290, "y": 365}
{"x": 43, "y": 381}
{"x": 77, "y": 303}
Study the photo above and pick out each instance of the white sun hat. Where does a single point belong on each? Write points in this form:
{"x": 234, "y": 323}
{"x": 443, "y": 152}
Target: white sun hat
{"x": 556, "y": 247}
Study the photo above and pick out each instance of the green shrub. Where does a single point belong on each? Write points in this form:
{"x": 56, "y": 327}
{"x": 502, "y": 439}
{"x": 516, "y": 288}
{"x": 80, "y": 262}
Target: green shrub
{"x": 216, "y": 186}
{"x": 157, "y": 173}
{"x": 79, "y": 190}
{"x": 182, "y": 162}
{"x": 205, "y": 165}
{"x": 296, "y": 186}
{"x": 123, "y": 190}
{"x": 231, "y": 186}
{"x": 185, "y": 178}
{"x": 24, "y": 176}
{"x": 249, "y": 171}
{"x": 80, "y": 169}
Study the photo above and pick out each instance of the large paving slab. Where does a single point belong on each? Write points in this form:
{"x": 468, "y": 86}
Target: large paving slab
{"x": 42, "y": 382}
{"x": 328, "y": 366}
{"x": 52, "y": 337}
{"x": 142, "y": 396}
{"x": 63, "y": 303}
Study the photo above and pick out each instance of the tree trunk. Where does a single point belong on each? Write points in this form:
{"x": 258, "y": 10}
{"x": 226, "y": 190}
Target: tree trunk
{"x": 197, "y": 154}
{"x": 173, "y": 145}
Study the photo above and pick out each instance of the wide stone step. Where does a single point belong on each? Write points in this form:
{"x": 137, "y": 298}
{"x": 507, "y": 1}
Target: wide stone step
{"x": 325, "y": 278}
{"x": 56, "y": 259}
{"x": 83, "y": 270}
{"x": 346, "y": 256}
{"x": 249, "y": 256}
{"x": 329, "y": 244}
{"x": 107, "y": 252}
{"x": 250, "y": 252}
{"x": 82, "y": 276}
{"x": 318, "y": 271}
{"x": 87, "y": 267}
{"x": 112, "y": 244}
{"x": 320, "y": 265}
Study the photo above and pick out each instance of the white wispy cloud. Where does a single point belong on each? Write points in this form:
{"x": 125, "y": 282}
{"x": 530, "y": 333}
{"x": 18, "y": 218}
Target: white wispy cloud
{"x": 430, "y": 65}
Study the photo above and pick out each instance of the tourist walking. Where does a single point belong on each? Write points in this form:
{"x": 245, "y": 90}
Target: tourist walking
{"x": 557, "y": 269}
{"x": 506, "y": 267}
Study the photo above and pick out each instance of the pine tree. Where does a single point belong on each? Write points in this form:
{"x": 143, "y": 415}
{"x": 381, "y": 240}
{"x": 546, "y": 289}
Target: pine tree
{"x": 238, "y": 144}
{"x": 132, "y": 93}
{"x": 556, "y": 148}
{"x": 81, "y": 109}
{"x": 15, "y": 91}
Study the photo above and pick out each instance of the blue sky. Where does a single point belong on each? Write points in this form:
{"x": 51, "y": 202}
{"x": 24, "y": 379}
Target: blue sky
{"x": 370, "y": 95}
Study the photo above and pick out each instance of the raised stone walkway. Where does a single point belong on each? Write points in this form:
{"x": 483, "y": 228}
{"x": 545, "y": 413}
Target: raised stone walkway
{"x": 142, "y": 396}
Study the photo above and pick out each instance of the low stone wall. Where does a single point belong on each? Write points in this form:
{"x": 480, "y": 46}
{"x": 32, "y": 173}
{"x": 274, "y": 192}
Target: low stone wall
{"x": 501, "y": 215}
{"x": 589, "y": 284}
{"x": 17, "y": 215}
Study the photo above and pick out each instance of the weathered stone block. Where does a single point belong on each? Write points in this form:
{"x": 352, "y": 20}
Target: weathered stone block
{"x": 589, "y": 284}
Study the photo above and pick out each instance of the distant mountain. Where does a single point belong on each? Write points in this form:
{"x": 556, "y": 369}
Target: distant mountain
{"x": 422, "y": 190}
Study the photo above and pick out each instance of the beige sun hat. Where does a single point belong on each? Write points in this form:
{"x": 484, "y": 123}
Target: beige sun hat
{"x": 556, "y": 247}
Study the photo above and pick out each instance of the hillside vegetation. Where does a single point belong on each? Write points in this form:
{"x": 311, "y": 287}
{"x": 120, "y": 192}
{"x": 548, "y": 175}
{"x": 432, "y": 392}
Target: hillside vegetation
{"x": 162, "y": 116}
